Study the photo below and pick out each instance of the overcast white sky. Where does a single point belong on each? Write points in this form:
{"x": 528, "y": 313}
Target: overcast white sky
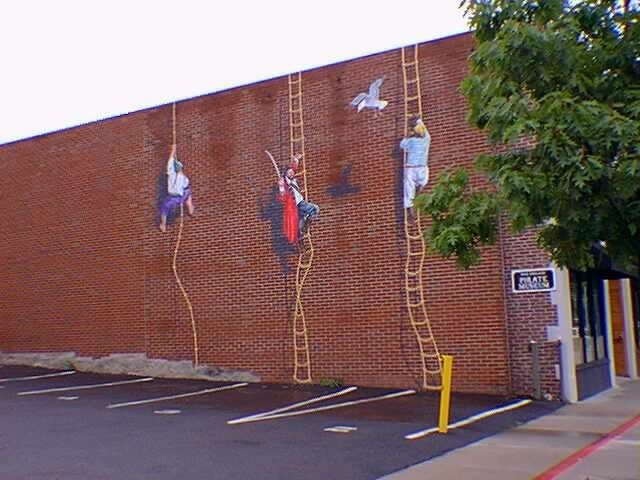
{"x": 68, "y": 62}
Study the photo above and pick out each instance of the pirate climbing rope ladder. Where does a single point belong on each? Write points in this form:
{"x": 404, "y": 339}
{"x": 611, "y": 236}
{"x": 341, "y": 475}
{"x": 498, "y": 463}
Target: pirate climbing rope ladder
{"x": 302, "y": 361}
{"x": 175, "y": 267}
{"x": 431, "y": 360}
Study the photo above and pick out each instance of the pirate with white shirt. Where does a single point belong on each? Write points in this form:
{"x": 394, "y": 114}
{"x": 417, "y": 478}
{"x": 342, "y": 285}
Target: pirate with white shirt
{"x": 178, "y": 189}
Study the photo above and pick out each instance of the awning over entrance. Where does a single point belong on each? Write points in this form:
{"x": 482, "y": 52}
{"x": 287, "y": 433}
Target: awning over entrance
{"x": 606, "y": 268}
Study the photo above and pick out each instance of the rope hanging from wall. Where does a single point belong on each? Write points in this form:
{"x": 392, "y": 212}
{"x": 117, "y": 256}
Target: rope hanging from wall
{"x": 430, "y": 358}
{"x": 301, "y": 355}
{"x": 175, "y": 267}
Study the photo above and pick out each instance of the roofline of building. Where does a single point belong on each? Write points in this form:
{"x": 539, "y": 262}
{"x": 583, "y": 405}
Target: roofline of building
{"x": 229, "y": 89}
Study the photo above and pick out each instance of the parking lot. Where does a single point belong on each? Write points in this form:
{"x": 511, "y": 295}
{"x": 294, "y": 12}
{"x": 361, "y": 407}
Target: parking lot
{"x": 73, "y": 426}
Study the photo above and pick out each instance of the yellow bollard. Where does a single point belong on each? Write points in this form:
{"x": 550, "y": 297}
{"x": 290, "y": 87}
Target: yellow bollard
{"x": 445, "y": 393}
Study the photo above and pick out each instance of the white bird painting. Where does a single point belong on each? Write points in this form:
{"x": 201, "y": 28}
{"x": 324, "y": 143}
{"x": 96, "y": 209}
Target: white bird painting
{"x": 371, "y": 99}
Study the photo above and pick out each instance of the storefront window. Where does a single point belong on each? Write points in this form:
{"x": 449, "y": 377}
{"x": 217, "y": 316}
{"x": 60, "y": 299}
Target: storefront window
{"x": 587, "y": 303}
{"x": 576, "y": 309}
{"x": 597, "y": 316}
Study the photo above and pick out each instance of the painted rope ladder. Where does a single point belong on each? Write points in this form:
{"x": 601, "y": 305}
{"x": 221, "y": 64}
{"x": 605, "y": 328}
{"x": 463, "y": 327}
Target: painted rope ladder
{"x": 302, "y": 361}
{"x": 175, "y": 267}
{"x": 431, "y": 361}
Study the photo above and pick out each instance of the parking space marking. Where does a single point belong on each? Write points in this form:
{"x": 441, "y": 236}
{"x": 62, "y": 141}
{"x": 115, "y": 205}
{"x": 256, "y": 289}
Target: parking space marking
{"x": 182, "y": 395}
{"x": 324, "y": 408}
{"x": 471, "y": 419}
{"x": 36, "y": 377}
{"x": 341, "y": 429}
{"x": 86, "y": 387}
{"x": 167, "y": 412}
{"x": 293, "y": 406}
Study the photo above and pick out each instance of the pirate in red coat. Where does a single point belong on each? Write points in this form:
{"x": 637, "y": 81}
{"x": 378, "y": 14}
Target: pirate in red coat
{"x": 296, "y": 212}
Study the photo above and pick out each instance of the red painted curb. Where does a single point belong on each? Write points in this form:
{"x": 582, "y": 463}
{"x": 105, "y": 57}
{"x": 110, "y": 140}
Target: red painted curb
{"x": 570, "y": 461}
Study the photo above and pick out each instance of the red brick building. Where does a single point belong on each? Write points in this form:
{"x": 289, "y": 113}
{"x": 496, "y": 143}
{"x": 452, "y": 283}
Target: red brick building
{"x": 84, "y": 267}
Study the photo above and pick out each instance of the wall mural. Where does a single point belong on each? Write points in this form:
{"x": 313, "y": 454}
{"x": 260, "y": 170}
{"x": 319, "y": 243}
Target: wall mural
{"x": 297, "y": 213}
{"x": 179, "y": 194}
{"x": 370, "y": 99}
{"x": 416, "y": 162}
{"x": 415, "y": 147}
{"x": 178, "y": 190}
{"x": 342, "y": 185}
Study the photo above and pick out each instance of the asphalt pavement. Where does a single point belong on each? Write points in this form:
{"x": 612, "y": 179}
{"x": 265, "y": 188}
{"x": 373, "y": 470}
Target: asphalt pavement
{"x": 72, "y": 435}
{"x": 596, "y": 439}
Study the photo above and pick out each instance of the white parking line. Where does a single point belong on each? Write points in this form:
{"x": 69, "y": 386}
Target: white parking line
{"x": 36, "y": 377}
{"x": 471, "y": 419}
{"x": 340, "y": 429}
{"x": 326, "y": 407}
{"x": 167, "y": 412}
{"x": 86, "y": 387}
{"x": 182, "y": 395}
{"x": 292, "y": 406}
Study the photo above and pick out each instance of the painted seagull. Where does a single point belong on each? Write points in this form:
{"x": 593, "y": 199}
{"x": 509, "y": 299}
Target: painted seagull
{"x": 371, "y": 99}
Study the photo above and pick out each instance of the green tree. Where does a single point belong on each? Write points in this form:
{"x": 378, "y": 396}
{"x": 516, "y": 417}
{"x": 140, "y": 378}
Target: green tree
{"x": 555, "y": 86}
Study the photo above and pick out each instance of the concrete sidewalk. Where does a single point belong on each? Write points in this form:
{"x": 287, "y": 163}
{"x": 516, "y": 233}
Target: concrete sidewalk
{"x": 536, "y": 447}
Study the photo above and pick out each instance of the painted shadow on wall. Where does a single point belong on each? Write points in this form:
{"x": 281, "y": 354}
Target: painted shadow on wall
{"x": 271, "y": 211}
{"x": 342, "y": 186}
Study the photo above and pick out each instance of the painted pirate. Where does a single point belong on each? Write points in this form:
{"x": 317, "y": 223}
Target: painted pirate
{"x": 297, "y": 212}
{"x": 416, "y": 163}
{"x": 178, "y": 189}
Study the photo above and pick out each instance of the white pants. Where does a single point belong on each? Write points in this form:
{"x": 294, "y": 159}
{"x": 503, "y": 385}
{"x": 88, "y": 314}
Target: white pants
{"x": 414, "y": 178}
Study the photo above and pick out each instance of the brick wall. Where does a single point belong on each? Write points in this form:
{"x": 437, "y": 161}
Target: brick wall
{"x": 528, "y": 315}
{"x": 87, "y": 269}
{"x": 72, "y": 263}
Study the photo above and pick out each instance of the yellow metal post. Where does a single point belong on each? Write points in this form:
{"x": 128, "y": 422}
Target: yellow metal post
{"x": 445, "y": 393}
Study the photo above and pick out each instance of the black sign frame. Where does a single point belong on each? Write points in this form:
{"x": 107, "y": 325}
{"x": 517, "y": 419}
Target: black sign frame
{"x": 533, "y": 280}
